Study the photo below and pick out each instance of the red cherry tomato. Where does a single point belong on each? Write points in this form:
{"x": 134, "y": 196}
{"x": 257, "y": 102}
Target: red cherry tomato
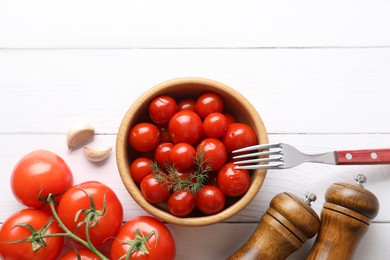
{"x": 186, "y": 104}
{"x": 149, "y": 233}
{"x": 214, "y": 153}
{"x": 37, "y": 219}
{"x": 210, "y": 200}
{"x": 239, "y": 135}
{"x": 208, "y": 103}
{"x": 212, "y": 180}
{"x": 181, "y": 203}
{"x": 230, "y": 118}
{"x": 140, "y": 168}
{"x": 162, "y": 154}
{"x": 38, "y": 174}
{"x": 154, "y": 191}
{"x": 83, "y": 253}
{"x": 161, "y": 109}
{"x": 185, "y": 127}
{"x": 233, "y": 182}
{"x": 215, "y": 125}
{"x": 183, "y": 155}
{"x": 164, "y": 134}
{"x": 144, "y": 137}
{"x": 77, "y": 198}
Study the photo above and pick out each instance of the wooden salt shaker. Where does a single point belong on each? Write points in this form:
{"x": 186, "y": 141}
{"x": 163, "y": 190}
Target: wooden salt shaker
{"x": 346, "y": 215}
{"x": 284, "y": 227}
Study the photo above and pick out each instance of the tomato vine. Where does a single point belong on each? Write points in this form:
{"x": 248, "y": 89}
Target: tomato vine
{"x": 90, "y": 216}
{"x": 139, "y": 243}
{"x": 38, "y": 238}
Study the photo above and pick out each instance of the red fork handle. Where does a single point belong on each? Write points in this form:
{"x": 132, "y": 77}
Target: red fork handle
{"x": 372, "y": 156}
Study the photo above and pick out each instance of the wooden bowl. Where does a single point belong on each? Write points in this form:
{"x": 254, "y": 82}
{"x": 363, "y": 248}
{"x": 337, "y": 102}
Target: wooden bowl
{"x": 234, "y": 103}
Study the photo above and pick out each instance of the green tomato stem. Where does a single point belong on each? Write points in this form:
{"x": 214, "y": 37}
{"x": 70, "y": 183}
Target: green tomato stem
{"x": 93, "y": 248}
{"x": 71, "y": 235}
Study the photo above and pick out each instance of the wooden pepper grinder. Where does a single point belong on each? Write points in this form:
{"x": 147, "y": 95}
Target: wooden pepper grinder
{"x": 345, "y": 217}
{"x": 284, "y": 227}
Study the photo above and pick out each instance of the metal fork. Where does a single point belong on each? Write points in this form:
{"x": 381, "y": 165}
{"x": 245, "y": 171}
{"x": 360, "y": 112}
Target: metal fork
{"x": 283, "y": 156}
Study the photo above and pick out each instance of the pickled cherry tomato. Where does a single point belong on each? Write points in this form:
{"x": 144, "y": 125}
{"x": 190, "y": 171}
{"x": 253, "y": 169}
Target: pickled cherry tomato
{"x": 140, "y": 168}
{"x": 186, "y": 104}
{"x": 181, "y": 135}
{"x": 153, "y": 191}
{"x": 162, "y": 154}
{"x": 233, "y": 182}
{"x": 182, "y": 156}
{"x": 239, "y": 135}
{"x": 161, "y": 109}
{"x": 181, "y": 203}
{"x": 144, "y": 137}
{"x": 164, "y": 134}
{"x": 210, "y": 200}
{"x": 214, "y": 153}
{"x": 208, "y": 103}
{"x": 215, "y": 125}
{"x": 230, "y": 118}
{"x": 185, "y": 127}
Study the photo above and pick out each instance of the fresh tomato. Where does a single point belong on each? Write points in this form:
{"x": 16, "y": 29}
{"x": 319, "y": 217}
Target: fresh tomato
{"x": 140, "y": 168}
{"x": 185, "y": 127}
{"x": 239, "y": 135}
{"x": 212, "y": 180}
{"x": 215, "y": 125}
{"x": 200, "y": 139}
{"x": 183, "y": 155}
{"x": 233, "y": 182}
{"x": 154, "y": 191}
{"x": 208, "y": 103}
{"x": 161, "y": 109}
{"x": 144, "y": 137}
{"x": 162, "y": 154}
{"x": 80, "y": 254}
{"x": 230, "y": 118}
{"x": 210, "y": 200}
{"x": 164, "y": 134}
{"x": 214, "y": 153}
{"x": 186, "y": 104}
{"x": 181, "y": 203}
{"x": 39, "y": 174}
{"x": 106, "y": 210}
{"x": 150, "y": 238}
{"x": 15, "y": 228}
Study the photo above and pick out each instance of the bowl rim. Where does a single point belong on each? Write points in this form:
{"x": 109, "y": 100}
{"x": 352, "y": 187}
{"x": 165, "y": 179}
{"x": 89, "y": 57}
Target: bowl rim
{"x": 123, "y": 164}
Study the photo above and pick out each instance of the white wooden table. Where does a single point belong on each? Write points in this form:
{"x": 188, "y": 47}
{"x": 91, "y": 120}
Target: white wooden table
{"x": 318, "y": 72}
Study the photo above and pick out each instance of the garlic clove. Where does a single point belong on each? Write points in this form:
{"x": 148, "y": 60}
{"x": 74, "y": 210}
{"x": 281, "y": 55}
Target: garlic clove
{"x": 97, "y": 154}
{"x": 79, "y": 133}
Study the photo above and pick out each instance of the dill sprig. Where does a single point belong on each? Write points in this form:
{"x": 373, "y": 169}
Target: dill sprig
{"x": 193, "y": 181}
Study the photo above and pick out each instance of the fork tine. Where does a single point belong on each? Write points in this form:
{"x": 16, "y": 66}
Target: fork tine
{"x": 275, "y": 159}
{"x": 256, "y": 154}
{"x": 256, "y": 147}
{"x": 275, "y": 162}
{"x": 259, "y": 167}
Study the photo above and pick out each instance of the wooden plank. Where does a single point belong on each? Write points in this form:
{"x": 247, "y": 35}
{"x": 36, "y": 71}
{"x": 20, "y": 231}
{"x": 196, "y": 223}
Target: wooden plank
{"x": 294, "y": 90}
{"x": 220, "y": 241}
{"x": 200, "y": 24}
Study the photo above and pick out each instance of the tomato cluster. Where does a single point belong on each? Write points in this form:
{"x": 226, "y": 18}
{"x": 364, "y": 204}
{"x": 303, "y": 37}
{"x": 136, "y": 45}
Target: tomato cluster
{"x": 90, "y": 213}
{"x": 184, "y": 154}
